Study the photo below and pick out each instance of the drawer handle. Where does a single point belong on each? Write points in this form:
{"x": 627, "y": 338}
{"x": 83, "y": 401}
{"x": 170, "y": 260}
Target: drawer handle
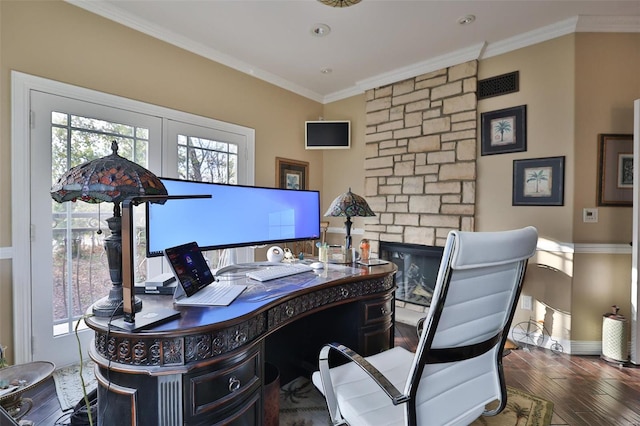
{"x": 289, "y": 311}
{"x": 383, "y": 310}
{"x": 234, "y": 384}
{"x": 240, "y": 337}
{"x": 344, "y": 292}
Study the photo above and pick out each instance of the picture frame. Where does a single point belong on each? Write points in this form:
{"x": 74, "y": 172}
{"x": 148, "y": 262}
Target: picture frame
{"x": 615, "y": 170}
{"x": 292, "y": 174}
{"x": 504, "y": 131}
{"x": 538, "y": 182}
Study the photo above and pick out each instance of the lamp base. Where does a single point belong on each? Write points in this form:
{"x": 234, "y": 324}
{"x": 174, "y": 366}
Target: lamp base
{"x": 110, "y": 306}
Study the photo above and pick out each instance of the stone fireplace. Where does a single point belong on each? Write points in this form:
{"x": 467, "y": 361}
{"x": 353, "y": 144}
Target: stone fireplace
{"x": 420, "y": 165}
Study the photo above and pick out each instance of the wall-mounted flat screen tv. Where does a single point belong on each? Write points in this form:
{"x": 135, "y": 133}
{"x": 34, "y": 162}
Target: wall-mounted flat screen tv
{"x": 327, "y": 134}
{"x": 234, "y": 216}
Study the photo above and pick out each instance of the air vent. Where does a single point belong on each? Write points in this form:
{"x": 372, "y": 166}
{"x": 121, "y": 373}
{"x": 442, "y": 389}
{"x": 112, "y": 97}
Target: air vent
{"x": 499, "y": 85}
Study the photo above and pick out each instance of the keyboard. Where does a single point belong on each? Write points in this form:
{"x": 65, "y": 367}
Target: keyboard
{"x": 215, "y": 294}
{"x": 278, "y": 271}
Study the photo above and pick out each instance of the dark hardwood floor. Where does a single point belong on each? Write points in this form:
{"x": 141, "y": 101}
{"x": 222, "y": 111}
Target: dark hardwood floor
{"x": 585, "y": 390}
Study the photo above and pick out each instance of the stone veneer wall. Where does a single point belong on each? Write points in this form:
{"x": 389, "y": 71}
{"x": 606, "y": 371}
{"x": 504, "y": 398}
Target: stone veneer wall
{"x": 421, "y": 158}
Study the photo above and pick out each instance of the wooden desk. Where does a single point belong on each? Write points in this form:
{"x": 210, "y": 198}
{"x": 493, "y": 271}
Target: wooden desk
{"x": 207, "y": 367}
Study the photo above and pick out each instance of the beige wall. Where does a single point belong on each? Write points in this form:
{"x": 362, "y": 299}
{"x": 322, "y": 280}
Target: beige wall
{"x": 547, "y": 73}
{"x": 344, "y": 169}
{"x": 58, "y": 41}
{"x": 607, "y": 83}
{"x": 573, "y": 92}
{"x": 599, "y": 282}
{"x": 547, "y": 89}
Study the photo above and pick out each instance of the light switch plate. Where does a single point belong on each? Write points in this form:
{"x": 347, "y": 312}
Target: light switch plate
{"x": 590, "y": 215}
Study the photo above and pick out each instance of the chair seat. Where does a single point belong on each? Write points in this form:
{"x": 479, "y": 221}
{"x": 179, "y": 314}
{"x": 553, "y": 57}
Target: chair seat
{"x": 358, "y": 397}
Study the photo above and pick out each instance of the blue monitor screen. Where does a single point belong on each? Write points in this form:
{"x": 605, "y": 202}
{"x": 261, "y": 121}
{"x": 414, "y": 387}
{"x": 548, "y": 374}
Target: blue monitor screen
{"x": 234, "y": 216}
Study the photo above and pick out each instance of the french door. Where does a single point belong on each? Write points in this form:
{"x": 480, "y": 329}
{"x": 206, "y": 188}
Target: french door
{"x": 59, "y": 264}
{"x": 69, "y": 269}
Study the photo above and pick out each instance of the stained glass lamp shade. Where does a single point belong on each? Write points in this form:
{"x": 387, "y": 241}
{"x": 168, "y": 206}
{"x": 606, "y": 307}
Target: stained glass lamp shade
{"x": 112, "y": 179}
{"x": 349, "y": 205}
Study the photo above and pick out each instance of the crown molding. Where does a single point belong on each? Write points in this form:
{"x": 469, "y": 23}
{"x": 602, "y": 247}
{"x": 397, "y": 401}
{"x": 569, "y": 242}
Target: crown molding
{"x": 437, "y": 63}
{"x": 608, "y": 24}
{"x": 479, "y": 51}
{"x": 539, "y": 35}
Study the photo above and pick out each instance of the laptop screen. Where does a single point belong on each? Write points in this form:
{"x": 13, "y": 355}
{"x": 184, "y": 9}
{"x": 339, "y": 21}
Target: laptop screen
{"x": 190, "y": 267}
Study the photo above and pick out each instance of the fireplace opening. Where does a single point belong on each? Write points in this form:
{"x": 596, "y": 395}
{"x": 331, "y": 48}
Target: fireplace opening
{"x": 417, "y": 270}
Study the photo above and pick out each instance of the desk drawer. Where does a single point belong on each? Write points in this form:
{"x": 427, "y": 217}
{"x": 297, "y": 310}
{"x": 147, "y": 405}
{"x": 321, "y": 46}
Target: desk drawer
{"x": 219, "y": 389}
{"x": 378, "y": 310}
{"x": 376, "y": 339}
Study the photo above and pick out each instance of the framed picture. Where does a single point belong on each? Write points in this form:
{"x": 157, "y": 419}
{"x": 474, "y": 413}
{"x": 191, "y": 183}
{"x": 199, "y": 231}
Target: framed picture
{"x": 615, "y": 170}
{"x": 504, "y": 130}
{"x": 538, "y": 182}
{"x": 292, "y": 174}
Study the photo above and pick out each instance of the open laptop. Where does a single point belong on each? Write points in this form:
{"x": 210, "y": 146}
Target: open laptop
{"x": 194, "y": 276}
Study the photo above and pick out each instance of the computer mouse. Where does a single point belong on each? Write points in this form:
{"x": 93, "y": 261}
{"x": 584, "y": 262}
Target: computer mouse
{"x": 317, "y": 265}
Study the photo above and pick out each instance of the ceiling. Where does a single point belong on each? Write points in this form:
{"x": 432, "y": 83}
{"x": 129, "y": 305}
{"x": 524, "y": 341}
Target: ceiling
{"x": 373, "y": 43}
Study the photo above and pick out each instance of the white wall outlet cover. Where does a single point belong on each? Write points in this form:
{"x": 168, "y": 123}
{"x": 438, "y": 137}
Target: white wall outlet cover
{"x": 275, "y": 254}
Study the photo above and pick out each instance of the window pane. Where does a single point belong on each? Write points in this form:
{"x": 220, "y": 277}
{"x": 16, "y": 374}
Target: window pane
{"x": 142, "y": 133}
{"x": 59, "y": 118}
{"x": 101, "y": 126}
{"x": 207, "y": 160}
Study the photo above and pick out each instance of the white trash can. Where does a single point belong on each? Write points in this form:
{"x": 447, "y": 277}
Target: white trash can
{"x": 614, "y": 337}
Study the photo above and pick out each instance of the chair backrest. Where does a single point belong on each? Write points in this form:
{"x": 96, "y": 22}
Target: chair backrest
{"x": 457, "y": 369}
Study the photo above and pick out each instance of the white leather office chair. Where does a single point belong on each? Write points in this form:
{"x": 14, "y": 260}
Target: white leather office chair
{"x": 457, "y": 368}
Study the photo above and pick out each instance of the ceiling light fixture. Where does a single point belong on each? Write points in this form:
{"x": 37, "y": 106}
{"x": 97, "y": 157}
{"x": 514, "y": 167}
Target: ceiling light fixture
{"x": 326, "y": 70}
{"x": 465, "y": 20}
{"x": 320, "y": 30}
{"x": 339, "y": 3}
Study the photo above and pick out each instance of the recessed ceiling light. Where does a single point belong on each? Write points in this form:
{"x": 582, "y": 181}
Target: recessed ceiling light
{"x": 320, "y": 30}
{"x": 465, "y": 20}
{"x": 339, "y": 3}
{"x": 326, "y": 70}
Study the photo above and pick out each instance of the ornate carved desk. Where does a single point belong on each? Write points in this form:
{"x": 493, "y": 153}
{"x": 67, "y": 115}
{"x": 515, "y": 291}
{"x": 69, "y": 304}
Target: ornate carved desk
{"x": 207, "y": 367}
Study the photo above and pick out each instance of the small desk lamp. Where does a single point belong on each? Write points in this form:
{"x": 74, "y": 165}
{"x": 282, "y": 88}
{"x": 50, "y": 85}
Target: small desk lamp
{"x": 113, "y": 179}
{"x": 349, "y": 205}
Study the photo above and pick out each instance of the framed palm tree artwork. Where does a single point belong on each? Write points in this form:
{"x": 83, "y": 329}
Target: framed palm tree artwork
{"x": 504, "y": 130}
{"x": 538, "y": 182}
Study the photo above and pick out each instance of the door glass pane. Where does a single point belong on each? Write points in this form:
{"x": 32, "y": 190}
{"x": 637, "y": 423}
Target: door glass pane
{"x": 80, "y": 269}
{"x": 206, "y": 160}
